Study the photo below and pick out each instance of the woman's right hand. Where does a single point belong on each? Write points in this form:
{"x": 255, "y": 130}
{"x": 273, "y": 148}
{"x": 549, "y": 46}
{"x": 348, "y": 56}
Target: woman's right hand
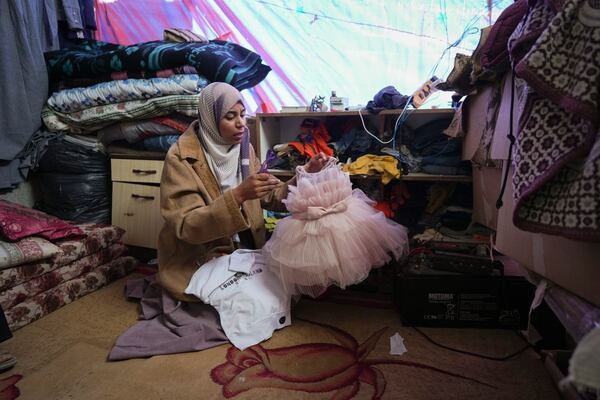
{"x": 255, "y": 186}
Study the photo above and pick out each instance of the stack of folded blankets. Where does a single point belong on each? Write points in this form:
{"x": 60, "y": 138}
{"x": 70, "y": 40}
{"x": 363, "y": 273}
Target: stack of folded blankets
{"x": 46, "y": 262}
{"x": 112, "y": 98}
{"x": 144, "y": 94}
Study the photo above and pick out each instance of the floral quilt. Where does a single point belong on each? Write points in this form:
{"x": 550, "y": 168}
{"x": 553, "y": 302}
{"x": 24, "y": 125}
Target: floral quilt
{"x": 51, "y": 300}
{"x": 26, "y": 250}
{"x": 21, "y": 292}
{"x": 98, "y": 236}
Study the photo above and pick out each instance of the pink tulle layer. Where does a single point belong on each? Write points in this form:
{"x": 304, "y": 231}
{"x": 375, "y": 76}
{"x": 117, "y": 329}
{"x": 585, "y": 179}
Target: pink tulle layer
{"x": 333, "y": 237}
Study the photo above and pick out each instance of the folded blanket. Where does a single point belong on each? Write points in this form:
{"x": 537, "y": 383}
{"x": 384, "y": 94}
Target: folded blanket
{"x": 26, "y": 250}
{"x": 134, "y": 131}
{"x": 218, "y": 60}
{"x": 76, "y": 99}
{"x": 51, "y": 300}
{"x": 21, "y": 292}
{"x": 98, "y": 237}
{"x": 120, "y": 76}
{"x": 94, "y": 118}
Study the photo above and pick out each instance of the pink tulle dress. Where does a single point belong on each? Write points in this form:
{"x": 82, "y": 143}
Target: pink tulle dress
{"x": 333, "y": 236}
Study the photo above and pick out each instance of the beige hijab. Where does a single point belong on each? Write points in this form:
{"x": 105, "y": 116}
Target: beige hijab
{"x": 215, "y": 101}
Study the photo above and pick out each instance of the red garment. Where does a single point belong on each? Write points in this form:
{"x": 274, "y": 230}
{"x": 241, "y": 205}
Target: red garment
{"x": 312, "y": 139}
{"x": 385, "y": 207}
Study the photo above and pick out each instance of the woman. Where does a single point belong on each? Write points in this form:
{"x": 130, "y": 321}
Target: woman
{"x": 211, "y": 194}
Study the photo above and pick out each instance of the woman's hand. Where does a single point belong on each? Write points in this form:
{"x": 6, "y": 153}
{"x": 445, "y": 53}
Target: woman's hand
{"x": 316, "y": 163}
{"x": 255, "y": 186}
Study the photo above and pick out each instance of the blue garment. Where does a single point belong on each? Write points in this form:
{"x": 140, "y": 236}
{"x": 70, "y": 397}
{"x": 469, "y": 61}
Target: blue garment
{"x": 453, "y": 160}
{"x": 157, "y": 143}
{"x": 353, "y": 144}
{"x": 70, "y": 12}
{"x": 387, "y": 98}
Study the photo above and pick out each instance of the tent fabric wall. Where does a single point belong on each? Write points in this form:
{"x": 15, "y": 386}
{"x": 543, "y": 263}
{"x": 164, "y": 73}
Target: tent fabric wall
{"x": 314, "y": 47}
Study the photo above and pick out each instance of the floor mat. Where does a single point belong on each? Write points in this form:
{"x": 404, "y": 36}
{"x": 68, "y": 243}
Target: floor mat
{"x": 331, "y": 351}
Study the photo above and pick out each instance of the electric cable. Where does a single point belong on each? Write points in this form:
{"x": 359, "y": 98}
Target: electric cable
{"x": 511, "y": 137}
{"x": 468, "y": 30}
{"x": 396, "y": 125}
{"x": 470, "y": 353}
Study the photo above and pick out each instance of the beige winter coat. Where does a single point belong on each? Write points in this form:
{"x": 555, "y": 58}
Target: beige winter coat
{"x": 200, "y": 220}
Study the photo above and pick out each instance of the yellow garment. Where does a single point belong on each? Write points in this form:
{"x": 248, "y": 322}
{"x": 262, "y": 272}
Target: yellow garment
{"x": 369, "y": 164}
{"x": 271, "y": 223}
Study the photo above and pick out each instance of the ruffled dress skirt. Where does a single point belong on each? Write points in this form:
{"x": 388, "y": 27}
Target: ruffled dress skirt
{"x": 333, "y": 236}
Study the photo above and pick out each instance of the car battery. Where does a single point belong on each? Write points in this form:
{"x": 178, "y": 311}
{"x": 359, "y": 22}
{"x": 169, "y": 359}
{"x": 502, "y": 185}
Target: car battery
{"x": 442, "y": 298}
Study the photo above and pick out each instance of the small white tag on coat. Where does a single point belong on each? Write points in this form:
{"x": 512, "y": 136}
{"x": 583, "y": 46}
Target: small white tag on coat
{"x": 245, "y": 161}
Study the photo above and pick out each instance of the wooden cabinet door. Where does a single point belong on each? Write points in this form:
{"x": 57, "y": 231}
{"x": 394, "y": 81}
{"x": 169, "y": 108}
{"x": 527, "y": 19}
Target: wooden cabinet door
{"x": 136, "y": 208}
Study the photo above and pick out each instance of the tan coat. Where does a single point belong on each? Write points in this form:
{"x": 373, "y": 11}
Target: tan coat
{"x": 199, "y": 219}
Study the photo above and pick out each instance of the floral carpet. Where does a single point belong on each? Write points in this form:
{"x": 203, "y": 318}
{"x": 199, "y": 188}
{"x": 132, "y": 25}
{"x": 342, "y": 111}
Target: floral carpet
{"x": 331, "y": 351}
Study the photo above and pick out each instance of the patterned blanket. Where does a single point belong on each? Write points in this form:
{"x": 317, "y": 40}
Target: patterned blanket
{"x": 98, "y": 237}
{"x": 51, "y": 300}
{"x": 217, "y": 61}
{"x": 75, "y": 99}
{"x": 94, "y": 118}
{"x": 21, "y": 292}
{"x": 555, "y": 51}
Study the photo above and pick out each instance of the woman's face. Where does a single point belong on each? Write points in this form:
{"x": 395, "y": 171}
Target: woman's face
{"x": 231, "y": 126}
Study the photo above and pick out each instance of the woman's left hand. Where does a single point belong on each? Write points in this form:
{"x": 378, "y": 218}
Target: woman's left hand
{"x": 316, "y": 163}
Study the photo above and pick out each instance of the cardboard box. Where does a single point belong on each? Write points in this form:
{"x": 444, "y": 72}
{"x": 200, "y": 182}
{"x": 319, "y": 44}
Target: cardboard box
{"x": 487, "y": 180}
{"x": 474, "y": 111}
{"x": 486, "y": 188}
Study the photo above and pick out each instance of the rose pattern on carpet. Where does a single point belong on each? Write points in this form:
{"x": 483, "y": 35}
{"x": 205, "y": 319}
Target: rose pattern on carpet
{"x": 312, "y": 367}
{"x": 8, "y": 390}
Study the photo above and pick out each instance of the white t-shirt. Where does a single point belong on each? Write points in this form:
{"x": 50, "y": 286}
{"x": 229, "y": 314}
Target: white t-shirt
{"x": 250, "y": 298}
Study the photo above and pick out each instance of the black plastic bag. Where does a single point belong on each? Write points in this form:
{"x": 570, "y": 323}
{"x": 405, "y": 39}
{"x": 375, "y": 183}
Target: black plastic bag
{"x": 75, "y": 197}
{"x": 71, "y": 158}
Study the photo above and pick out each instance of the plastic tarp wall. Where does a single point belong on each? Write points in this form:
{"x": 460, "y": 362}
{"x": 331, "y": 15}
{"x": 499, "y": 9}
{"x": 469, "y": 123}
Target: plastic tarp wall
{"x": 314, "y": 46}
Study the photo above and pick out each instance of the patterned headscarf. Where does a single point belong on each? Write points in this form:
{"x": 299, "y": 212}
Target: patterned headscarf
{"x": 229, "y": 163}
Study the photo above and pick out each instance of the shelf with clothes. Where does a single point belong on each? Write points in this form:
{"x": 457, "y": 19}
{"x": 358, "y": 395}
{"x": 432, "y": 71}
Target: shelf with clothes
{"x": 415, "y": 199}
{"x": 414, "y": 176}
{"x": 401, "y": 193}
{"x": 349, "y": 133}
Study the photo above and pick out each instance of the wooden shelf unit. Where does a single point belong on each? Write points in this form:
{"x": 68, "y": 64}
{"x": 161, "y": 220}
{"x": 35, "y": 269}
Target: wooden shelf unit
{"x": 277, "y": 128}
{"x": 415, "y": 176}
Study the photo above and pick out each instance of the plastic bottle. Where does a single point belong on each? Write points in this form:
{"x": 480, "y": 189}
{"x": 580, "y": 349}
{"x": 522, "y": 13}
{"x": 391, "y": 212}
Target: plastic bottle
{"x": 335, "y": 103}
